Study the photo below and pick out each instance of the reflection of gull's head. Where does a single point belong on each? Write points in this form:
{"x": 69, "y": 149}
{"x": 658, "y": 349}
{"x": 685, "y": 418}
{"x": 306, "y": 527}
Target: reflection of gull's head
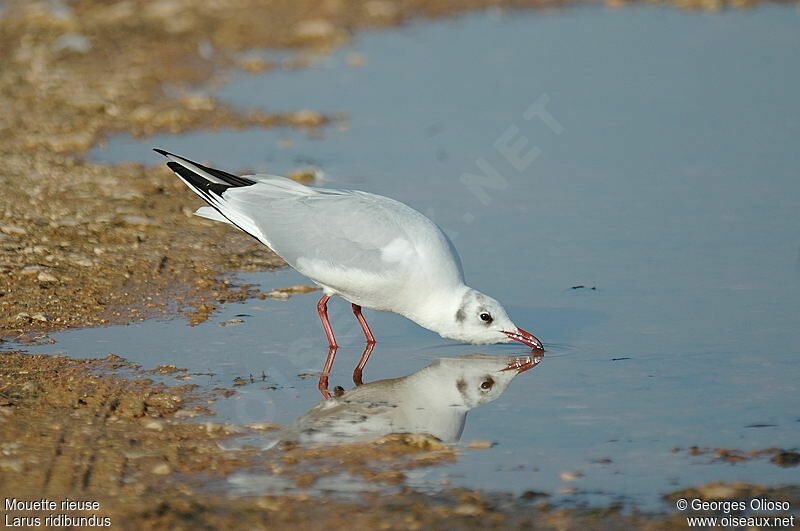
{"x": 433, "y": 400}
{"x": 470, "y": 381}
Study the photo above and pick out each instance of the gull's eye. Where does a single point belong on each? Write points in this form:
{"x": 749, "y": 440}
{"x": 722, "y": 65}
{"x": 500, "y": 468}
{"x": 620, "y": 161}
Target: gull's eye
{"x": 487, "y": 384}
{"x": 485, "y": 317}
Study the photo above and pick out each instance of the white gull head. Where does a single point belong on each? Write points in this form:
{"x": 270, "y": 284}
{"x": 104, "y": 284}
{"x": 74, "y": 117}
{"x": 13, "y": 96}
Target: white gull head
{"x": 481, "y": 320}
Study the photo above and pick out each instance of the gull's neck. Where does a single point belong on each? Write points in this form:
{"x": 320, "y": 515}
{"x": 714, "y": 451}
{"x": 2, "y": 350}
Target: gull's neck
{"x": 437, "y": 310}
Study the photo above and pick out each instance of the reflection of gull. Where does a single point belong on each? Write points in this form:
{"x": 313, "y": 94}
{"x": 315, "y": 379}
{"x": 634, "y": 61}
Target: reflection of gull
{"x": 433, "y": 400}
{"x": 370, "y": 250}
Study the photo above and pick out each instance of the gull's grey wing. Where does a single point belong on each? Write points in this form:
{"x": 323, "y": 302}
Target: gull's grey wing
{"x": 329, "y": 235}
{"x": 359, "y": 245}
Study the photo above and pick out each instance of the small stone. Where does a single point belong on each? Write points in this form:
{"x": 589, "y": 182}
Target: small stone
{"x": 570, "y": 476}
{"x": 254, "y": 65}
{"x": 233, "y": 429}
{"x": 314, "y": 30}
{"x": 263, "y": 426}
{"x": 787, "y": 459}
{"x": 40, "y": 316}
{"x": 44, "y": 276}
{"x": 198, "y": 102}
{"x": 161, "y": 469}
{"x": 529, "y": 495}
{"x": 30, "y": 387}
{"x": 23, "y": 316}
{"x": 304, "y": 176}
{"x": 307, "y": 118}
{"x": 468, "y": 509}
{"x": 280, "y": 295}
{"x": 11, "y": 464}
{"x": 480, "y": 445}
{"x": 138, "y": 220}
{"x": 381, "y": 10}
{"x": 285, "y": 293}
{"x": 13, "y": 229}
{"x": 154, "y": 425}
{"x": 72, "y": 42}
{"x": 213, "y": 427}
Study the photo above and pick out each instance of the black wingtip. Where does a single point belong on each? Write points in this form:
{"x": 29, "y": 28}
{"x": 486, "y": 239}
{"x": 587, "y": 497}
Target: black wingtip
{"x": 165, "y": 153}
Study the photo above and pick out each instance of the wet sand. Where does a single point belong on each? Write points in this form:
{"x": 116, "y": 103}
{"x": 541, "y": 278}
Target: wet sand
{"x": 84, "y": 244}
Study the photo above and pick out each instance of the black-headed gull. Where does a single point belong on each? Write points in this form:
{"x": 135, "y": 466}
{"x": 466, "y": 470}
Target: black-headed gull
{"x": 434, "y": 400}
{"x": 370, "y": 250}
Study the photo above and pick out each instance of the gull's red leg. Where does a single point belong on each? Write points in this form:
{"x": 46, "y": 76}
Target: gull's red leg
{"x": 322, "y": 309}
{"x": 364, "y": 326}
{"x": 326, "y": 370}
{"x": 364, "y": 357}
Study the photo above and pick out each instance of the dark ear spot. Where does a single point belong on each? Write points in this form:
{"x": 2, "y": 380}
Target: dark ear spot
{"x": 461, "y": 385}
{"x": 460, "y": 315}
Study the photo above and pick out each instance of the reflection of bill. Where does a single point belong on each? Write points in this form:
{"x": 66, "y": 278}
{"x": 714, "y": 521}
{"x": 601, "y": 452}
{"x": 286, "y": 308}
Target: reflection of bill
{"x": 434, "y": 400}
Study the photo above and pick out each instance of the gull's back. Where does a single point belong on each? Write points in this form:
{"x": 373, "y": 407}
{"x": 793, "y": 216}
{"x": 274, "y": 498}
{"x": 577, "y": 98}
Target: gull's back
{"x": 355, "y": 244}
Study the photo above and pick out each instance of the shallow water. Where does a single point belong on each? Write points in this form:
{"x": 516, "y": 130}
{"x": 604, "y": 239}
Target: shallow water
{"x": 660, "y": 168}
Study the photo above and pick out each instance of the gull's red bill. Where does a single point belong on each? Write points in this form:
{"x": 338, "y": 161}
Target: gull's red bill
{"x": 526, "y": 338}
{"x": 524, "y": 363}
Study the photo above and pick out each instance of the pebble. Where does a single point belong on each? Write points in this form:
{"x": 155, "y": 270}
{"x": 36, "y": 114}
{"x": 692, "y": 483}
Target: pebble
{"x": 154, "y": 425}
{"x": 314, "y": 29}
{"x": 138, "y": 220}
{"x": 280, "y": 295}
{"x": 570, "y": 476}
{"x": 162, "y": 469}
{"x": 13, "y": 229}
{"x": 263, "y": 426}
{"x": 381, "y": 9}
{"x": 213, "y": 427}
{"x": 468, "y": 509}
{"x": 304, "y": 176}
{"x": 11, "y": 464}
{"x": 83, "y": 262}
{"x": 31, "y": 387}
{"x": 285, "y": 293}
{"x": 307, "y": 117}
{"x": 44, "y": 276}
{"x": 480, "y": 445}
{"x": 72, "y": 42}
